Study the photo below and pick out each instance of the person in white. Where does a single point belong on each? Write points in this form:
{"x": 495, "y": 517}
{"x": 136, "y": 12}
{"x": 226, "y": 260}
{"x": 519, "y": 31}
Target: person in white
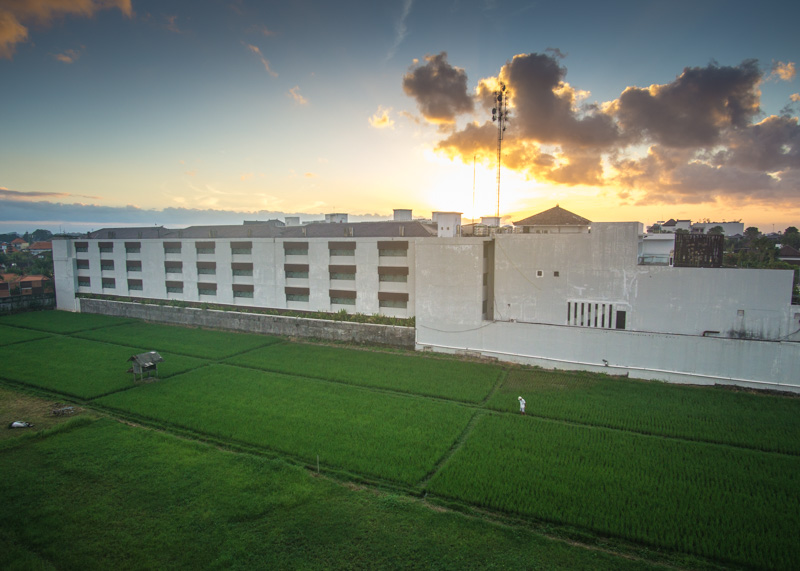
{"x": 521, "y": 405}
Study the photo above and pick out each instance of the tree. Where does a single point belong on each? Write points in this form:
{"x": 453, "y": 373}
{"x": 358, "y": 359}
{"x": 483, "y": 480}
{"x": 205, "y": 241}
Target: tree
{"x": 751, "y": 233}
{"x": 716, "y": 230}
{"x": 791, "y": 237}
{"x": 40, "y": 235}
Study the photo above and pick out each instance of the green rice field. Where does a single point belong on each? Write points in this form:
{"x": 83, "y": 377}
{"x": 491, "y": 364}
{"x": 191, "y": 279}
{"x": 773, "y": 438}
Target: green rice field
{"x": 653, "y": 473}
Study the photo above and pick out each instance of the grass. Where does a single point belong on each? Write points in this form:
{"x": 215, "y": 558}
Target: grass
{"x": 9, "y": 335}
{"x": 445, "y": 378}
{"x": 704, "y": 476}
{"x": 78, "y": 367}
{"x": 714, "y": 501}
{"x": 758, "y": 421}
{"x": 54, "y": 321}
{"x": 389, "y": 436}
{"x": 203, "y": 343}
{"x": 109, "y": 496}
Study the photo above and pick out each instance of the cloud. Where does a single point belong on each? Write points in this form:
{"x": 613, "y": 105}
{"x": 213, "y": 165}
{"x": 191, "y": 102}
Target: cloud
{"x": 439, "y": 89}
{"x": 17, "y": 15}
{"x": 795, "y": 97}
{"x": 256, "y": 50}
{"x": 23, "y": 196}
{"x": 69, "y": 56}
{"x": 381, "y": 119}
{"x": 294, "y": 93}
{"x": 700, "y": 138}
{"x": 172, "y": 24}
{"x": 784, "y": 71}
{"x": 310, "y": 175}
{"x": 695, "y": 109}
{"x": 18, "y": 215}
{"x": 400, "y": 30}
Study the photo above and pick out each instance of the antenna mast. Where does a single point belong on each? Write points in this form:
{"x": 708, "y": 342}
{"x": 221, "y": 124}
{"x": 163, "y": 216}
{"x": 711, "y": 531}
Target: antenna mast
{"x": 500, "y": 114}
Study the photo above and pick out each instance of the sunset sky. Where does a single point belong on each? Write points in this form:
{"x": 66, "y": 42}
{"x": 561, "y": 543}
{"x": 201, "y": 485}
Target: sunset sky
{"x": 133, "y": 112}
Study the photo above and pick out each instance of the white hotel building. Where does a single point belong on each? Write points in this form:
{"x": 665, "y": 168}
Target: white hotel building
{"x": 558, "y": 291}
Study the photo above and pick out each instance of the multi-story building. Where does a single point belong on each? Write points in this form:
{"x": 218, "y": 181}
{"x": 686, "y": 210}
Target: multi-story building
{"x": 584, "y": 298}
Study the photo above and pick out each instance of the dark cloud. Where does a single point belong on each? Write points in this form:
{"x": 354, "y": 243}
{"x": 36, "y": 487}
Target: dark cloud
{"x": 545, "y": 107}
{"x": 695, "y": 109}
{"x": 439, "y": 89}
{"x": 700, "y": 131}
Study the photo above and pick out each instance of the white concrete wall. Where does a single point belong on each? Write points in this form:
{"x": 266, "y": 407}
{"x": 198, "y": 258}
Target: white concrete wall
{"x": 268, "y": 280}
{"x": 673, "y": 358}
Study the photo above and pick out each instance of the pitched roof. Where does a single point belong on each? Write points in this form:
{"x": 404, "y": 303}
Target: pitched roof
{"x": 556, "y": 216}
{"x": 41, "y": 246}
{"x": 787, "y": 251}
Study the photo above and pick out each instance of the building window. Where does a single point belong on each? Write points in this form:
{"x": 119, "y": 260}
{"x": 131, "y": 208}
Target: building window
{"x": 205, "y": 247}
{"x": 206, "y": 289}
{"x": 133, "y": 266}
{"x": 133, "y": 248}
{"x": 342, "y": 297}
{"x": 346, "y": 249}
{"x": 342, "y": 272}
{"x": 539, "y": 273}
{"x": 172, "y": 247}
{"x": 242, "y": 248}
{"x": 296, "y": 293}
{"x": 207, "y": 268}
{"x": 82, "y": 264}
{"x": 555, "y": 274}
{"x": 107, "y": 265}
{"x": 174, "y": 287}
{"x": 392, "y": 253}
{"x": 621, "y": 319}
{"x": 592, "y": 314}
{"x": 391, "y": 299}
{"x": 395, "y": 303}
{"x": 242, "y": 290}
{"x": 106, "y": 247}
{"x": 393, "y": 278}
{"x": 295, "y": 248}
{"x": 81, "y": 247}
{"x": 393, "y": 248}
{"x": 392, "y": 274}
{"x": 109, "y": 283}
{"x": 135, "y": 285}
{"x": 343, "y": 252}
{"x": 84, "y": 281}
{"x": 242, "y": 269}
{"x": 173, "y": 267}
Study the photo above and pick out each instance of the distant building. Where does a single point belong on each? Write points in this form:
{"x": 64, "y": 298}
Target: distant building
{"x": 582, "y": 295}
{"x": 789, "y": 255}
{"x": 554, "y": 221}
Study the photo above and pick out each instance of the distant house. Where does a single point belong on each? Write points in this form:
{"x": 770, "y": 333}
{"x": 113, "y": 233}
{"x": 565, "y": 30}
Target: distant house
{"x": 554, "y": 221}
{"x": 19, "y": 244}
{"x": 14, "y": 284}
{"x": 40, "y": 248}
{"x": 789, "y": 255}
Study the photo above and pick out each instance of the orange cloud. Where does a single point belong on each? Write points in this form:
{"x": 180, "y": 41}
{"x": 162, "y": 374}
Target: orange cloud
{"x": 785, "y": 71}
{"x": 17, "y": 15}
{"x": 69, "y": 56}
{"x": 294, "y": 93}
{"x": 264, "y": 62}
{"x": 381, "y": 119}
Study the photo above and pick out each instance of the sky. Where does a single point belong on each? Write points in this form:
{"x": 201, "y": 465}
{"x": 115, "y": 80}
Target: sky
{"x": 136, "y": 112}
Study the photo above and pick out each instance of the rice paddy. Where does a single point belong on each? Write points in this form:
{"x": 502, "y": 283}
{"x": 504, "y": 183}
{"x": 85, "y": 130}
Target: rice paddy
{"x": 691, "y": 472}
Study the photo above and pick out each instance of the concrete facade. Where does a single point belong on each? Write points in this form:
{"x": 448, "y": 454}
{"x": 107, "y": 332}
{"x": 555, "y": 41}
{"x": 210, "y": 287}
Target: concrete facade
{"x": 573, "y": 300}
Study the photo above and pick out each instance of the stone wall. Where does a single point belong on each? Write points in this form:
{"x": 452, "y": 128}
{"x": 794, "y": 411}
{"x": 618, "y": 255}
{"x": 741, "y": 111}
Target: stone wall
{"x": 16, "y": 303}
{"x": 256, "y": 323}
